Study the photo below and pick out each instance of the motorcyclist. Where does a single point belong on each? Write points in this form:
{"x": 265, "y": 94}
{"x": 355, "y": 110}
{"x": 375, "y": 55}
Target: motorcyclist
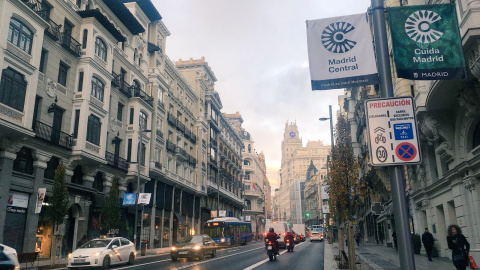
{"x": 272, "y": 237}
{"x": 290, "y": 236}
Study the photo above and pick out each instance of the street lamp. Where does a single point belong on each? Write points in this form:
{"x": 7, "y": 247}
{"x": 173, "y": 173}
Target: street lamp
{"x": 327, "y": 216}
{"x": 139, "y": 149}
{"x": 331, "y": 123}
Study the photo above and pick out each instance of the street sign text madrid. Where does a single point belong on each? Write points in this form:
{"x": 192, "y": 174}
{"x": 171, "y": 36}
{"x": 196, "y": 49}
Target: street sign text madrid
{"x": 392, "y": 131}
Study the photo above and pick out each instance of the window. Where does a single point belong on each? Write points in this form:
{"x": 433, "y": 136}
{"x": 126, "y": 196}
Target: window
{"x": 20, "y": 35}
{"x": 24, "y": 161}
{"x": 75, "y": 127}
{"x": 97, "y": 88}
{"x": 140, "y": 59}
{"x": 120, "y": 111}
{"x": 93, "y": 129}
{"x": 62, "y": 74}
{"x": 115, "y": 243}
{"x": 77, "y": 177}
{"x": 143, "y": 120}
{"x": 43, "y": 61}
{"x": 246, "y": 162}
{"x": 143, "y": 150}
{"x": 13, "y": 88}
{"x": 131, "y": 116}
{"x": 476, "y": 136}
{"x": 80, "y": 81}
{"x": 98, "y": 182}
{"x": 79, "y": 3}
{"x": 52, "y": 165}
{"x": 85, "y": 38}
{"x": 129, "y": 150}
{"x": 100, "y": 49}
{"x": 135, "y": 55}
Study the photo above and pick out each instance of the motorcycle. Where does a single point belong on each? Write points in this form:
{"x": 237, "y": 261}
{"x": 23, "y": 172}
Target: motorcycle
{"x": 289, "y": 245}
{"x": 272, "y": 254}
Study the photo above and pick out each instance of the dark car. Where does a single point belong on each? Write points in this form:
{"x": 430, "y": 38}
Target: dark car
{"x": 193, "y": 246}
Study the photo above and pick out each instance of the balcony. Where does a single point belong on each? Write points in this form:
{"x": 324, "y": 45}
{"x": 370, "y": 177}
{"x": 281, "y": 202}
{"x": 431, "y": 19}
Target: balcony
{"x": 224, "y": 193}
{"x": 180, "y": 126}
{"x": 53, "y": 30}
{"x": 158, "y": 165}
{"x": 181, "y": 154}
{"x": 52, "y": 135}
{"x": 213, "y": 142}
{"x": 159, "y": 133}
{"x": 171, "y": 120}
{"x": 193, "y": 138}
{"x": 38, "y": 7}
{"x": 160, "y": 104}
{"x": 188, "y": 134}
{"x": 171, "y": 146}
{"x": 69, "y": 43}
{"x": 116, "y": 161}
{"x": 119, "y": 82}
{"x": 137, "y": 92}
{"x": 192, "y": 161}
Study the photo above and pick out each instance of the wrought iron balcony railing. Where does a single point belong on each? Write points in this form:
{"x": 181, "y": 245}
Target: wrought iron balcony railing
{"x": 119, "y": 82}
{"x": 52, "y": 135}
{"x": 69, "y": 43}
{"x": 180, "y": 126}
{"x": 171, "y": 146}
{"x": 158, "y": 165}
{"x": 159, "y": 133}
{"x": 116, "y": 161}
{"x": 137, "y": 92}
{"x": 172, "y": 120}
{"x": 193, "y": 138}
{"x": 53, "y": 30}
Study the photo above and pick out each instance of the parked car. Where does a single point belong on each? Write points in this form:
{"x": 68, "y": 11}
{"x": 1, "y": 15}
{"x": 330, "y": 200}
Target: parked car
{"x": 8, "y": 258}
{"x": 102, "y": 252}
{"x": 193, "y": 246}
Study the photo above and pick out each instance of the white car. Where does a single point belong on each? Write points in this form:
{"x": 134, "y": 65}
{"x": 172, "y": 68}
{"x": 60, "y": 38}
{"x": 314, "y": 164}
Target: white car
{"x": 315, "y": 236}
{"x": 102, "y": 253}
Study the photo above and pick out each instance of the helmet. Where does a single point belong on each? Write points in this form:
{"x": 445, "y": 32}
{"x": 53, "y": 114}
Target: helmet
{"x": 271, "y": 230}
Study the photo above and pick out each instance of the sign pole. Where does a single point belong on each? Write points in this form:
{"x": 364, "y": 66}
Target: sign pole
{"x": 397, "y": 180}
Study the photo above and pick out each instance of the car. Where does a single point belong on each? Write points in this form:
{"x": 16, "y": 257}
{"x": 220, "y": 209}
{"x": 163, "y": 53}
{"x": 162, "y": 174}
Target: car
{"x": 316, "y": 237}
{"x": 193, "y": 246}
{"x": 8, "y": 258}
{"x": 102, "y": 252}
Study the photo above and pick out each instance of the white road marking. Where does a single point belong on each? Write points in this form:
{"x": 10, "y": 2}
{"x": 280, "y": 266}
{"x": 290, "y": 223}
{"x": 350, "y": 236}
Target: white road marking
{"x": 233, "y": 250}
{"x": 130, "y": 266}
{"x": 266, "y": 260}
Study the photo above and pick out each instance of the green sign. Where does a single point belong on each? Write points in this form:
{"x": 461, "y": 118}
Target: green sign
{"x": 426, "y": 42}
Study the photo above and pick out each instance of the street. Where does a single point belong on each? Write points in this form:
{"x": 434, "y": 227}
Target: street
{"x": 306, "y": 255}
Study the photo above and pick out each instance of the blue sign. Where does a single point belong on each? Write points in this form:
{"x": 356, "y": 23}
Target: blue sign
{"x": 129, "y": 198}
{"x": 403, "y": 131}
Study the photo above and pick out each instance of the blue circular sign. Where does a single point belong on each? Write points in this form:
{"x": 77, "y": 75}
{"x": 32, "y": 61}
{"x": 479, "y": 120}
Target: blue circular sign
{"x": 292, "y": 134}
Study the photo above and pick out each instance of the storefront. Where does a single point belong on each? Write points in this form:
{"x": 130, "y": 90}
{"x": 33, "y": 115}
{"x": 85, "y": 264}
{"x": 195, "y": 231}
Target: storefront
{"x": 16, "y": 217}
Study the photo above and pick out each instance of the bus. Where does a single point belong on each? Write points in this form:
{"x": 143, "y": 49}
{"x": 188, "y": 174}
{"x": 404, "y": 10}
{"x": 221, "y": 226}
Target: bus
{"x": 229, "y": 231}
{"x": 317, "y": 229}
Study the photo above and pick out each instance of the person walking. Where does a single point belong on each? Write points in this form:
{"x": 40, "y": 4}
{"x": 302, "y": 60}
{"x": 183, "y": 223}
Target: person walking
{"x": 427, "y": 240}
{"x": 459, "y": 246}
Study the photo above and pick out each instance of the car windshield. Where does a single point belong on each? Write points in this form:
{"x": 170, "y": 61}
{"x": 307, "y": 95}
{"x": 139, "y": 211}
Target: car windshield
{"x": 96, "y": 243}
{"x": 192, "y": 239}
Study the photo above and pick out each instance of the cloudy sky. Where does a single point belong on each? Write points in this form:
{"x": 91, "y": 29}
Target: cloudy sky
{"x": 258, "y": 52}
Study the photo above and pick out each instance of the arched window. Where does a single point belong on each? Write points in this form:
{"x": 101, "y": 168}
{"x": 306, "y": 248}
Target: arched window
{"x": 246, "y": 162}
{"x": 24, "y": 161}
{"x": 98, "y": 182}
{"x": 13, "y": 88}
{"x": 20, "y": 35}
{"x": 143, "y": 120}
{"x": 97, "y": 88}
{"x": 476, "y": 136}
{"x": 52, "y": 165}
{"x": 101, "y": 49}
{"x": 93, "y": 129}
{"x": 77, "y": 177}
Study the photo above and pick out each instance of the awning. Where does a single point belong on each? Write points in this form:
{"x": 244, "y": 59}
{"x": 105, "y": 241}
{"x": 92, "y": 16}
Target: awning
{"x": 180, "y": 219}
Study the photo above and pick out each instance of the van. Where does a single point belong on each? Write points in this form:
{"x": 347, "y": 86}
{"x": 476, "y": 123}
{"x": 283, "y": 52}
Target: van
{"x": 280, "y": 228}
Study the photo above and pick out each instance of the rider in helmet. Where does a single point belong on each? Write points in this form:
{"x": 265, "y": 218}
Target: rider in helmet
{"x": 272, "y": 237}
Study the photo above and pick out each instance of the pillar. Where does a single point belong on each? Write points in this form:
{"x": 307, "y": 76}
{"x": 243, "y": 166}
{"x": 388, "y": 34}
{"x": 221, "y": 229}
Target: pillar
{"x": 32, "y": 219}
{"x": 6, "y": 164}
{"x": 107, "y": 182}
{"x": 170, "y": 239}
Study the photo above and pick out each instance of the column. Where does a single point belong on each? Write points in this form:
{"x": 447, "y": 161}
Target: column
{"x": 6, "y": 164}
{"x": 32, "y": 219}
{"x": 170, "y": 239}
{"x": 107, "y": 183}
{"x": 122, "y": 187}
{"x": 153, "y": 214}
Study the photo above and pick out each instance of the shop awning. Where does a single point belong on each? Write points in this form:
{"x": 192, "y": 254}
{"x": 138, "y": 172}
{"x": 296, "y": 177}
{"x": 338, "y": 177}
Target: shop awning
{"x": 180, "y": 219}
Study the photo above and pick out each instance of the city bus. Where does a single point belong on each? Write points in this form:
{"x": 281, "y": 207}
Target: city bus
{"x": 317, "y": 229}
{"x": 229, "y": 231}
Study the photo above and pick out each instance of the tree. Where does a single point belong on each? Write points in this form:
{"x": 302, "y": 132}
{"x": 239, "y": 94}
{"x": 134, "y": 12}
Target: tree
{"x": 111, "y": 214}
{"x": 344, "y": 182}
{"x": 59, "y": 202}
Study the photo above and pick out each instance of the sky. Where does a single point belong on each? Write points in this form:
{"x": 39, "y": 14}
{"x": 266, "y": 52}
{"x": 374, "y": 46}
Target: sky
{"x": 258, "y": 52}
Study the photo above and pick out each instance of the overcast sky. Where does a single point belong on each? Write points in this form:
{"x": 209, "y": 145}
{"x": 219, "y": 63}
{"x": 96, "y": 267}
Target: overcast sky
{"x": 258, "y": 52}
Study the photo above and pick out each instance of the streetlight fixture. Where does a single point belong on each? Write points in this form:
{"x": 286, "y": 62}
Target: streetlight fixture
{"x": 139, "y": 149}
{"x": 327, "y": 216}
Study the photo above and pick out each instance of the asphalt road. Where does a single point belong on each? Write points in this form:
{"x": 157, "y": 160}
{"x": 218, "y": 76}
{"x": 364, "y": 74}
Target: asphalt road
{"x": 306, "y": 255}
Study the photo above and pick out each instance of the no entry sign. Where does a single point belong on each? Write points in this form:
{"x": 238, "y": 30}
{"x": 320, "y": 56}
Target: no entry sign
{"x": 392, "y": 131}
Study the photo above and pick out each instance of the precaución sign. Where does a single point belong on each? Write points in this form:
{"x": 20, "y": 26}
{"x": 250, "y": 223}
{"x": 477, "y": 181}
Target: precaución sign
{"x": 392, "y": 131}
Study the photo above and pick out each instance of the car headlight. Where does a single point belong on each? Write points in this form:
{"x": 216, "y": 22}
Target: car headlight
{"x": 196, "y": 247}
{"x": 70, "y": 255}
{"x": 222, "y": 240}
{"x": 96, "y": 254}
{"x": 174, "y": 248}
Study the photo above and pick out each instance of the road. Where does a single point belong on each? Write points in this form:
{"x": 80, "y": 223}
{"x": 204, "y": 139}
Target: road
{"x": 306, "y": 255}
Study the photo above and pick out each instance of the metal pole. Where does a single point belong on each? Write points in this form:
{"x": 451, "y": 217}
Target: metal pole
{"x": 397, "y": 180}
{"x": 140, "y": 136}
{"x": 218, "y": 193}
{"x": 331, "y": 125}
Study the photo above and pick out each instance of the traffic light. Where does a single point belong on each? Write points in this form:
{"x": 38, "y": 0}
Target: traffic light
{"x": 307, "y": 214}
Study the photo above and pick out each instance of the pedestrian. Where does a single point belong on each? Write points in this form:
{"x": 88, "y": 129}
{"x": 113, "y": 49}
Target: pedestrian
{"x": 358, "y": 237}
{"x": 394, "y": 237}
{"x": 427, "y": 240}
{"x": 459, "y": 246}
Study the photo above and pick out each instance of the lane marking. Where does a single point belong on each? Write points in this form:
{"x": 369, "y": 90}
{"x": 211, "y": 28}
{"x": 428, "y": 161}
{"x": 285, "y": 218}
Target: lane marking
{"x": 267, "y": 260}
{"x": 214, "y": 259}
{"x": 233, "y": 250}
{"x": 126, "y": 267}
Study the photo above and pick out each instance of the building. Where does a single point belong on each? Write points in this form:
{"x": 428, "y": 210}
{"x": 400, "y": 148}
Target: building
{"x": 312, "y": 194}
{"x": 256, "y": 185}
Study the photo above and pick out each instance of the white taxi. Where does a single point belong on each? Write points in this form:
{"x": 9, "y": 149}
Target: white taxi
{"x": 315, "y": 236}
{"x": 102, "y": 253}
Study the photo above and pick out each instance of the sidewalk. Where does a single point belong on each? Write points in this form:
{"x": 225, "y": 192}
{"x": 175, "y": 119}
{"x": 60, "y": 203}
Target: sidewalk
{"x": 380, "y": 257}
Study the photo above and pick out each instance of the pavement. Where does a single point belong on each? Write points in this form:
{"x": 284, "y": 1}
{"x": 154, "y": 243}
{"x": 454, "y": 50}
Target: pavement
{"x": 374, "y": 256}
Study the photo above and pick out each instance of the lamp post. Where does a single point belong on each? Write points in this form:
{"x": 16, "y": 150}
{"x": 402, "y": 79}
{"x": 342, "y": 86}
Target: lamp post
{"x": 327, "y": 216}
{"x": 139, "y": 149}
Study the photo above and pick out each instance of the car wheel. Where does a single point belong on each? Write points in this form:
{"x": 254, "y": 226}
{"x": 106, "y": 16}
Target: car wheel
{"x": 131, "y": 258}
{"x": 106, "y": 262}
{"x": 174, "y": 259}
{"x": 214, "y": 253}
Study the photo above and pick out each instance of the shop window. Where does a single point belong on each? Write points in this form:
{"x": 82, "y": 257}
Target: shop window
{"x": 20, "y": 35}
{"x": 13, "y": 88}
{"x": 24, "y": 161}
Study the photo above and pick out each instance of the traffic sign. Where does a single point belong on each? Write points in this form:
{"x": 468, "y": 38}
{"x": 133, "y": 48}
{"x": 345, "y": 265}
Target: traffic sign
{"x": 392, "y": 131}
